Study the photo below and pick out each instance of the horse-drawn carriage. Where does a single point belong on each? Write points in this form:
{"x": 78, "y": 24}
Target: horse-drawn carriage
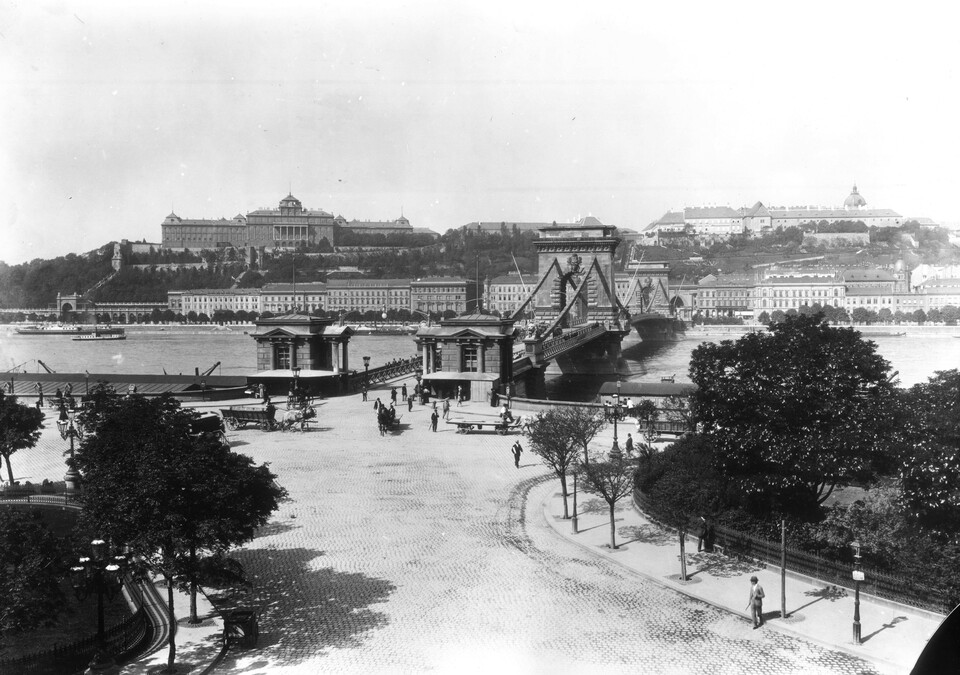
{"x": 239, "y": 417}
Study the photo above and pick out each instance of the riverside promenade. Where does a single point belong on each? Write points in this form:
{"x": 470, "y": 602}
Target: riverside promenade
{"x": 423, "y": 551}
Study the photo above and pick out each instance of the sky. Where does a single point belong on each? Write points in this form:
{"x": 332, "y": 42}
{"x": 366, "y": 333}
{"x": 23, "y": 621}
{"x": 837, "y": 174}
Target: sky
{"x": 115, "y": 114}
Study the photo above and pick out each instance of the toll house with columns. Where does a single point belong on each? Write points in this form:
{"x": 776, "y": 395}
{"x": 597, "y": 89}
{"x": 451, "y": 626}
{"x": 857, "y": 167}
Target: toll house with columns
{"x": 472, "y": 351}
{"x": 302, "y": 350}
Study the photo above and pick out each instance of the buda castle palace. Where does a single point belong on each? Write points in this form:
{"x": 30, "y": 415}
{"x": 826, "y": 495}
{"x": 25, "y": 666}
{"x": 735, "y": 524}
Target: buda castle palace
{"x": 284, "y": 228}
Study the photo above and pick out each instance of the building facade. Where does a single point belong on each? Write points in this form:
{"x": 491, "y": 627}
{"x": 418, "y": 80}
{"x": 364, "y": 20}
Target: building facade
{"x": 284, "y": 228}
{"x": 283, "y": 298}
{"x": 708, "y": 224}
{"x": 363, "y": 295}
{"x": 442, "y": 294}
{"x": 507, "y": 292}
{"x": 209, "y": 300}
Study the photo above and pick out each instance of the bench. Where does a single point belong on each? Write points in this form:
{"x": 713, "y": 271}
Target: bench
{"x": 239, "y": 418}
{"x": 501, "y": 427}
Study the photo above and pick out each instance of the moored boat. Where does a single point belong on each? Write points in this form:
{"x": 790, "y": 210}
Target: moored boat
{"x": 105, "y": 334}
{"x": 68, "y": 329}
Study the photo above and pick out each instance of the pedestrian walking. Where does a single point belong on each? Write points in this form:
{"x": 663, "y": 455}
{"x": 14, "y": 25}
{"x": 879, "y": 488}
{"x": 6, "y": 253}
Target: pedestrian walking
{"x": 39, "y": 388}
{"x": 433, "y": 420}
{"x": 363, "y": 393}
{"x": 377, "y": 404}
{"x": 393, "y": 394}
{"x": 262, "y": 392}
{"x": 410, "y": 404}
{"x": 459, "y": 396}
{"x": 517, "y": 450}
{"x": 755, "y": 603}
{"x": 446, "y": 408}
{"x": 403, "y": 391}
{"x": 701, "y": 533}
{"x": 629, "y": 445}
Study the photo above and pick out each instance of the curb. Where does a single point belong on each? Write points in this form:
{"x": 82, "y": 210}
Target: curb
{"x": 553, "y": 523}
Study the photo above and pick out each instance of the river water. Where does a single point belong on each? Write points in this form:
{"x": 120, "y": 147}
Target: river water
{"x": 150, "y": 350}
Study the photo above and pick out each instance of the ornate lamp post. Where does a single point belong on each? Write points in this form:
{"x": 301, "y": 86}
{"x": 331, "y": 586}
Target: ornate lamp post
{"x": 366, "y": 372}
{"x": 102, "y": 575}
{"x": 614, "y": 413}
{"x": 857, "y": 578}
{"x": 70, "y": 429}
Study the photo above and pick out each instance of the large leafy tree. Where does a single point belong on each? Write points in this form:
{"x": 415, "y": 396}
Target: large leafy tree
{"x": 794, "y": 412}
{"x": 170, "y": 495}
{"x": 558, "y": 435}
{"x": 681, "y": 483}
{"x": 930, "y": 454}
{"x": 33, "y": 565}
{"x": 19, "y": 428}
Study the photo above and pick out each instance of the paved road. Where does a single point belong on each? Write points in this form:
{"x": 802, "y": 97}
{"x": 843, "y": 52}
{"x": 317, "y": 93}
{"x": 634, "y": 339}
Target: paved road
{"x": 427, "y": 552}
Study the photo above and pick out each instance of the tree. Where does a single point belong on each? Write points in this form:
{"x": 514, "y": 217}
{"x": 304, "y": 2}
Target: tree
{"x": 778, "y": 316}
{"x": 930, "y": 453}
{"x": 20, "y": 426}
{"x": 885, "y": 315}
{"x": 167, "y": 494}
{"x": 612, "y": 480}
{"x": 764, "y": 317}
{"x": 558, "y": 435}
{"x": 794, "y": 412}
{"x": 33, "y": 565}
{"x": 919, "y": 316}
{"x": 860, "y": 315}
{"x": 950, "y": 315}
{"x": 934, "y": 315}
{"x": 681, "y": 483}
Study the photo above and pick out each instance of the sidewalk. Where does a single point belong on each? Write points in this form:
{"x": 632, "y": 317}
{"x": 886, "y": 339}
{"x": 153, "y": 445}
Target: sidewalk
{"x": 198, "y": 645}
{"x": 893, "y": 635}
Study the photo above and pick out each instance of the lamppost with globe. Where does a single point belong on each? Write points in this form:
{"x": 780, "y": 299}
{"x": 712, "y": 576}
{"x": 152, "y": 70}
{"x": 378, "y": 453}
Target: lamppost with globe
{"x": 615, "y": 412}
{"x": 101, "y": 574}
{"x": 70, "y": 429}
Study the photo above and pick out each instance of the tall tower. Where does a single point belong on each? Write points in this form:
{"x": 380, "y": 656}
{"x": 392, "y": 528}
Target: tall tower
{"x": 117, "y": 261}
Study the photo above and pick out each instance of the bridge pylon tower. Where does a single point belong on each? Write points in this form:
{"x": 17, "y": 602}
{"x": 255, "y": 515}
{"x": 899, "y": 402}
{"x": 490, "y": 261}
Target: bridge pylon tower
{"x": 577, "y": 283}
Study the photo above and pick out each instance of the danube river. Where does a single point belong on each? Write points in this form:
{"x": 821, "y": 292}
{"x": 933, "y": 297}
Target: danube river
{"x": 152, "y": 350}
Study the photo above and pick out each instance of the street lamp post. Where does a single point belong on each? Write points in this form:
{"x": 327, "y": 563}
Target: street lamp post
{"x": 102, "y": 575}
{"x": 857, "y": 578}
{"x": 366, "y": 372}
{"x": 69, "y": 429}
{"x": 614, "y": 413}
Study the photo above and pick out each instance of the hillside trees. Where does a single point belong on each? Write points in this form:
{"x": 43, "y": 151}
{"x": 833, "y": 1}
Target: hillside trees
{"x": 794, "y": 412}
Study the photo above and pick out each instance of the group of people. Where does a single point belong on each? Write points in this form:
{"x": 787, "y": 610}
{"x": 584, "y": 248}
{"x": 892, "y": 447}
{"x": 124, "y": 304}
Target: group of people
{"x": 62, "y": 400}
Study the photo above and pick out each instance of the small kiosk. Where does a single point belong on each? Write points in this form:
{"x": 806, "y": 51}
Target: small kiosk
{"x": 301, "y": 351}
{"x": 472, "y": 352}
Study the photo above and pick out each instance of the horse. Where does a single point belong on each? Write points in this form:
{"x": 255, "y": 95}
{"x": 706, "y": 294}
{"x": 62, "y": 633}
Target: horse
{"x": 299, "y": 417}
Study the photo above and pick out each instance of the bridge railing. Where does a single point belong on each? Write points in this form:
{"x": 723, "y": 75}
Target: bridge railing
{"x": 551, "y": 347}
{"x": 383, "y": 373}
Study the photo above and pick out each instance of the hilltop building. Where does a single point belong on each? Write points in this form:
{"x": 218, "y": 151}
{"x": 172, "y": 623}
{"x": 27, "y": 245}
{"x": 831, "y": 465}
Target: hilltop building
{"x": 709, "y": 224}
{"x": 281, "y": 229}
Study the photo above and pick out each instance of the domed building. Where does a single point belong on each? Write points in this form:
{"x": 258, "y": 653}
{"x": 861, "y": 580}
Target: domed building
{"x": 854, "y": 201}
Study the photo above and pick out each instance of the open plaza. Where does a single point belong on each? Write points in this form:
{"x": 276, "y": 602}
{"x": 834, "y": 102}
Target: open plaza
{"x": 425, "y": 551}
